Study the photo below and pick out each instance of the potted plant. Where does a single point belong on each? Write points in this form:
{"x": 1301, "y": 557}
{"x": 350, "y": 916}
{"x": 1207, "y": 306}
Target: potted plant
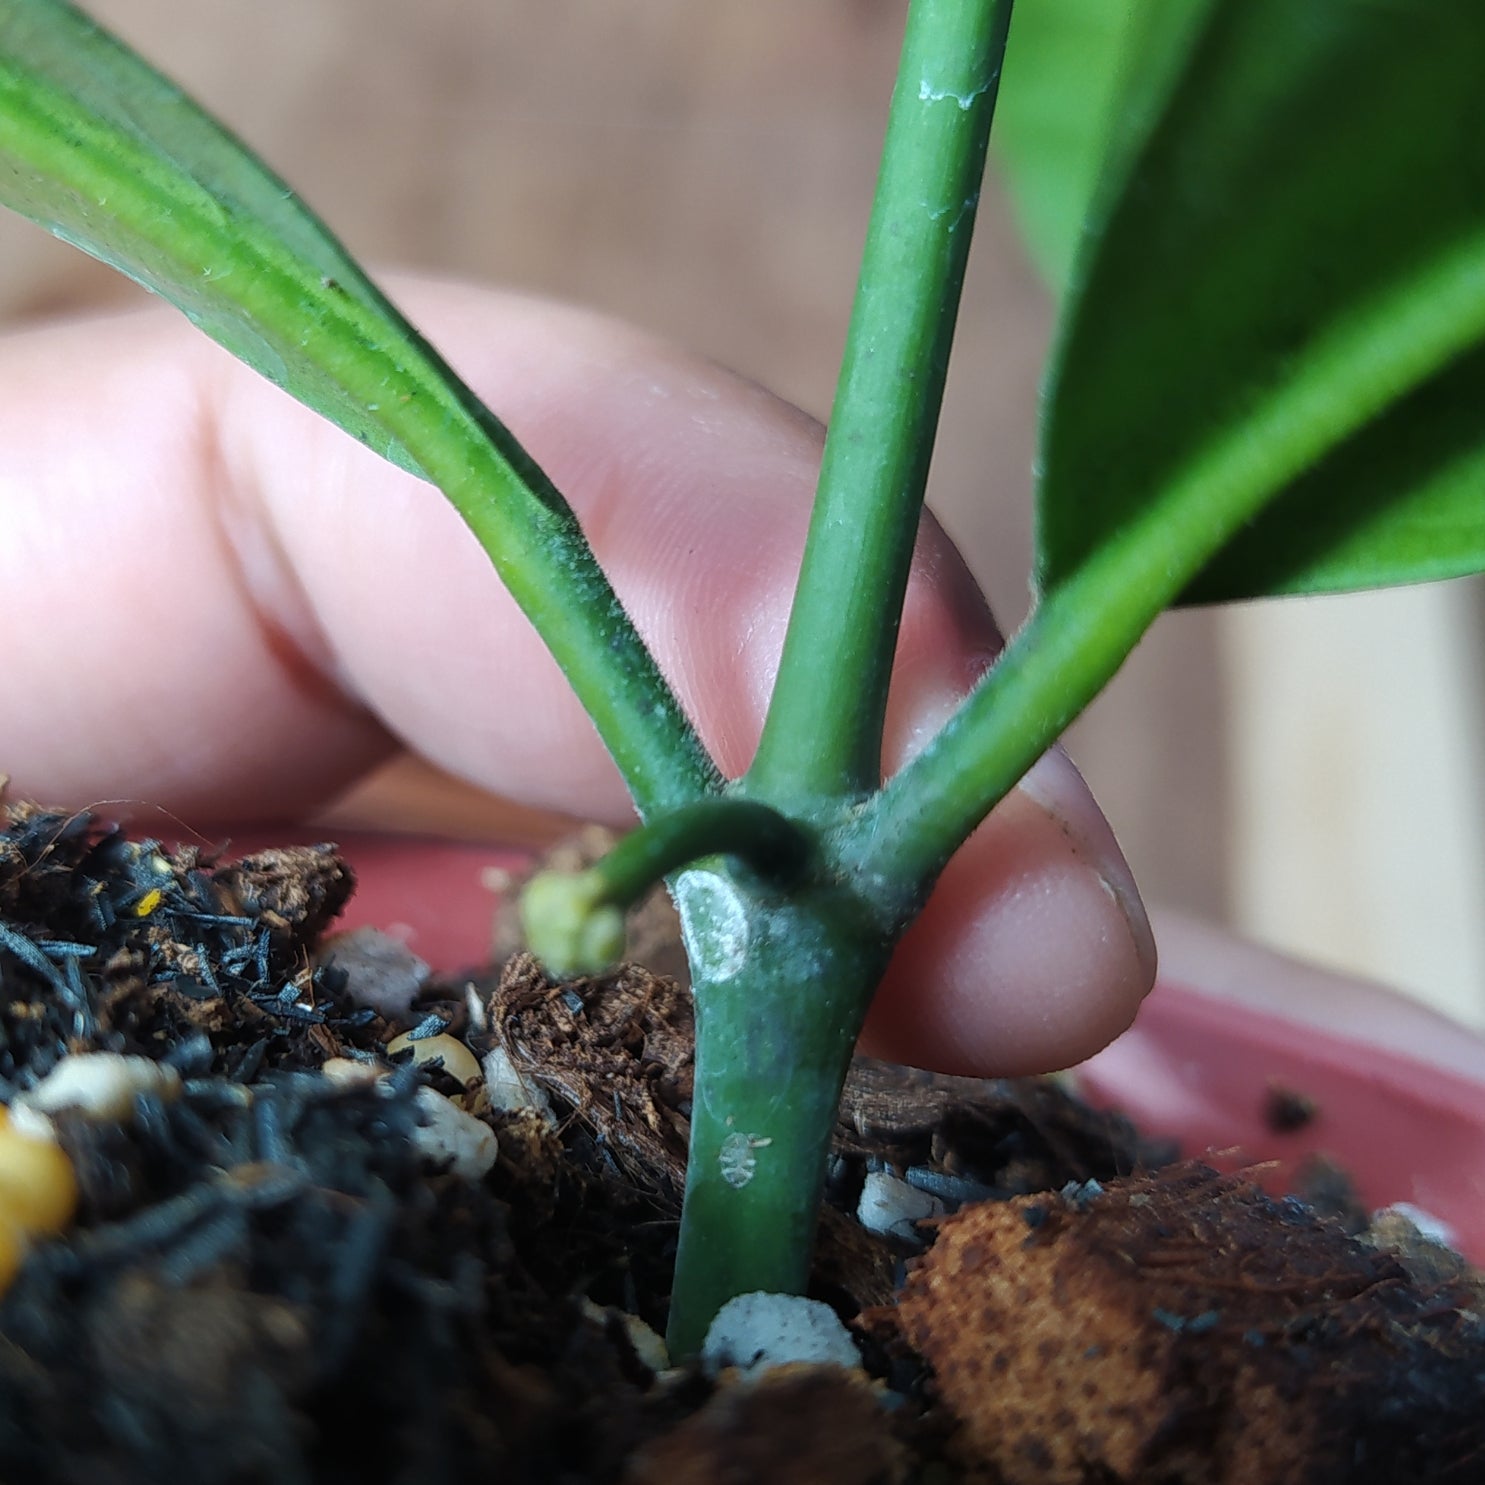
{"x": 1218, "y": 425}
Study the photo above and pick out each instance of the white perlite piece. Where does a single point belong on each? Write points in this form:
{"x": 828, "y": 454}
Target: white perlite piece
{"x": 890, "y": 1207}
{"x": 510, "y": 1091}
{"x": 474, "y": 1008}
{"x": 102, "y": 1085}
{"x": 450, "y": 1137}
{"x": 756, "y": 1332}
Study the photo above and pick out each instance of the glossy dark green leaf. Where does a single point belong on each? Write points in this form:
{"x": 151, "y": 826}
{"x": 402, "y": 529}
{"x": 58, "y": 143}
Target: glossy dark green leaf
{"x": 1083, "y": 84}
{"x": 1273, "y": 362}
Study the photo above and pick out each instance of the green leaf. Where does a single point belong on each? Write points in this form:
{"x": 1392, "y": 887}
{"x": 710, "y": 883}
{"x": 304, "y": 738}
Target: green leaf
{"x": 1273, "y": 367}
{"x": 107, "y": 154}
{"x": 1084, "y": 82}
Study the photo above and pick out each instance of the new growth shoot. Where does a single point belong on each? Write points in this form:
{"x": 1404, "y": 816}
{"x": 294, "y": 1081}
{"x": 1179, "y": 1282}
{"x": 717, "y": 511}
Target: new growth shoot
{"x": 574, "y": 921}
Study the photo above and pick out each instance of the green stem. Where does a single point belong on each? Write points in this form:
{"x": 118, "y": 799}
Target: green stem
{"x": 773, "y": 846}
{"x": 823, "y": 734}
{"x": 781, "y": 988}
{"x": 1067, "y": 651}
{"x": 782, "y": 985}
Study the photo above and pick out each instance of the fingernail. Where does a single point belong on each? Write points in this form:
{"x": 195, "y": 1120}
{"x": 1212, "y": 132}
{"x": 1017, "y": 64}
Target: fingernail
{"x": 1054, "y": 784}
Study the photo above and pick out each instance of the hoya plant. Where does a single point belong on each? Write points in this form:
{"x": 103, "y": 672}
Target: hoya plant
{"x": 1266, "y": 223}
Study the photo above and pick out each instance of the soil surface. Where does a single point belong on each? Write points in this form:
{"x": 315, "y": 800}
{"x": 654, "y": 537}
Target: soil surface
{"x": 298, "y": 1257}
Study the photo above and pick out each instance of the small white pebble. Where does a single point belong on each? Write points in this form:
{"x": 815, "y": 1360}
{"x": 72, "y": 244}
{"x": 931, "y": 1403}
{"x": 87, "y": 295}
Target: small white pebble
{"x": 458, "y": 1061}
{"x": 756, "y": 1332}
{"x": 890, "y": 1207}
{"x": 450, "y": 1137}
{"x": 510, "y": 1091}
{"x": 102, "y": 1085}
{"x": 381, "y": 971}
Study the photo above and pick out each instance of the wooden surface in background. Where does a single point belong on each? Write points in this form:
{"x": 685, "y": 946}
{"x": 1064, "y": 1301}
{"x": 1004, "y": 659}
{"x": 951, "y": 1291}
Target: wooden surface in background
{"x": 704, "y": 170}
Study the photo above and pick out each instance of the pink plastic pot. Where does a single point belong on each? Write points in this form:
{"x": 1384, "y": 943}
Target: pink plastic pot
{"x": 1193, "y": 1068}
{"x": 1204, "y": 1072}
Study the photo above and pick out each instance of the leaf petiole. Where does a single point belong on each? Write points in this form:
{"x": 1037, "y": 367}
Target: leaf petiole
{"x": 823, "y": 735}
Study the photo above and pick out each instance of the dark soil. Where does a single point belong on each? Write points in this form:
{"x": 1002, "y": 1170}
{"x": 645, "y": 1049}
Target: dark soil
{"x": 267, "y": 1281}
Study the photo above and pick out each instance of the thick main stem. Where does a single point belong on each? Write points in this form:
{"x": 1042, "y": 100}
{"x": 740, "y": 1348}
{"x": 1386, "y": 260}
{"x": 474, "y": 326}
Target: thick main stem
{"x": 822, "y": 738}
{"x": 781, "y": 988}
{"x": 782, "y": 984}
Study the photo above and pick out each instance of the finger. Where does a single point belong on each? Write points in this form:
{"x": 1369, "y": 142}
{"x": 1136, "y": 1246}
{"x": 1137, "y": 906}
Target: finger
{"x": 233, "y": 610}
{"x": 1035, "y": 938}
{"x": 151, "y": 651}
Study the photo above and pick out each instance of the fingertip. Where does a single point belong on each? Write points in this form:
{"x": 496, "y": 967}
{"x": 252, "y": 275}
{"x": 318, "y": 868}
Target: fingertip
{"x": 1054, "y": 783}
{"x": 1027, "y": 958}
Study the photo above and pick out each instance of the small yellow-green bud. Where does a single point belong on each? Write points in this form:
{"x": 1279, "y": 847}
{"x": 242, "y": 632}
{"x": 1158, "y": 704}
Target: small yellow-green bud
{"x": 569, "y": 926}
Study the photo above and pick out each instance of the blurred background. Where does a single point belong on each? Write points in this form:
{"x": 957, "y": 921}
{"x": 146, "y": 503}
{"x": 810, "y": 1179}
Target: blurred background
{"x": 1304, "y": 771}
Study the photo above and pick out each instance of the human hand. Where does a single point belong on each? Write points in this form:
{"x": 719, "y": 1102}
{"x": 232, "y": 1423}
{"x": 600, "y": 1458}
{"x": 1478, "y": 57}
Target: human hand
{"x": 218, "y": 604}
